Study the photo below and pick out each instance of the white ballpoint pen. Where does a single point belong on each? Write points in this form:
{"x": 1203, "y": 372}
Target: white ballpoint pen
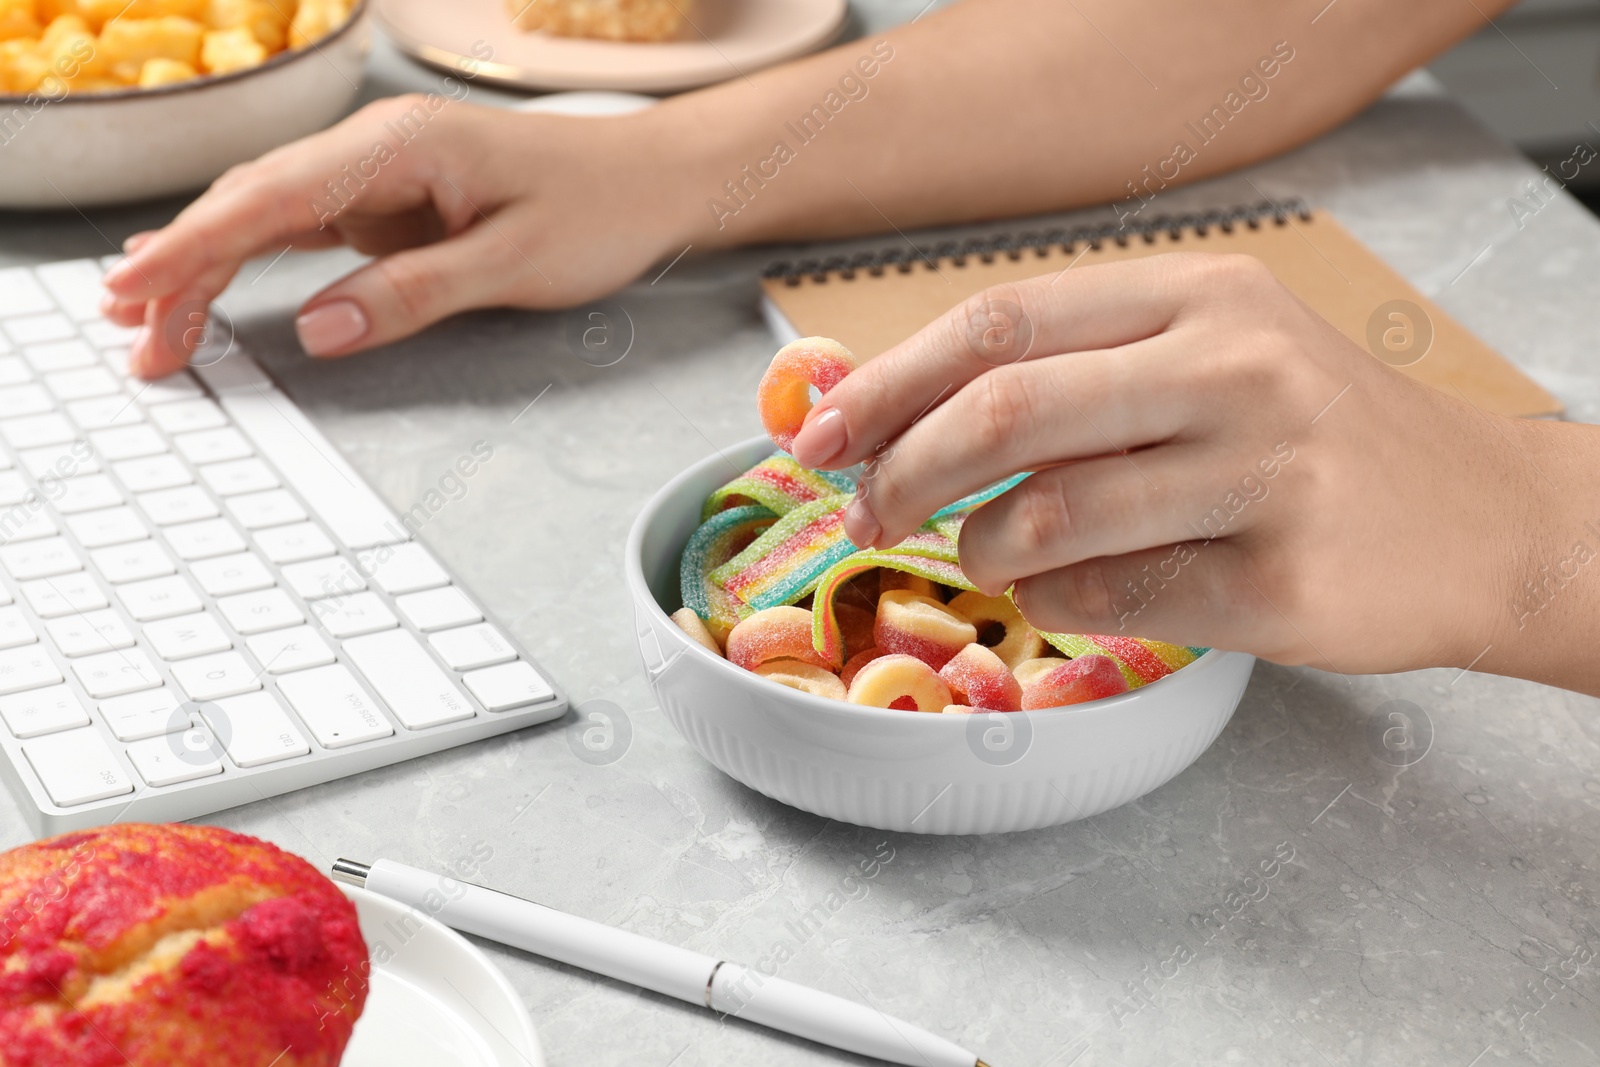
{"x": 723, "y": 986}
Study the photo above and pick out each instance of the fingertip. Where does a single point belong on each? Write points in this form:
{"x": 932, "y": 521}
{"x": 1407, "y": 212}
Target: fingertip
{"x": 332, "y": 329}
{"x": 134, "y": 241}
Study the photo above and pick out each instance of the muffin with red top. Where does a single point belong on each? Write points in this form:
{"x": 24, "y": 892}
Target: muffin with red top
{"x": 143, "y": 945}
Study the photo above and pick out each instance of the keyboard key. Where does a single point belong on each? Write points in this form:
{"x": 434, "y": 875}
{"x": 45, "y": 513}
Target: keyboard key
{"x": 231, "y": 574}
{"x": 113, "y": 526}
{"x": 354, "y": 513}
{"x": 358, "y": 613}
{"x": 27, "y": 521}
{"x": 184, "y": 416}
{"x": 202, "y": 540}
{"x": 225, "y": 674}
{"x": 510, "y": 685}
{"x": 113, "y": 673}
{"x": 153, "y": 472}
{"x": 103, "y": 334}
{"x": 438, "y": 609}
{"x": 89, "y": 633}
{"x": 168, "y": 390}
{"x": 402, "y": 568}
{"x": 224, "y": 375}
{"x": 13, "y": 371}
{"x": 105, "y": 411}
{"x": 253, "y": 613}
{"x": 77, "y": 767}
{"x": 317, "y": 578}
{"x": 175, "y": 758}
{"x": 282, "y": 651}
{"x": 64, "y": 594}
{"x": 254, "y": 729}
{"x": 158, "y": 598}
{"x": 186, "y": 636}
{"x": 75, "y": 284}
{"x": 65, "y": 460}
{"x": 213, "y": 446}
{"x": 31, "y": 431}
{"x": 291, "y": 544}
{"x": 21, "y": 293}
{"x": 42, "y": 711}
{"x": 275, "y": 507}
{"x": 334, "y": 706}
{"x": 62, "y": 353}
{"x": 14, "y": 629}
{"x": 132, "y": 562}
{"x": 186, "y": 504}
{"x": 26, "y": 668}
{"x": 21, "y": 400}
{"x": 417, "y": 691}
{"x": 127, "y": 442}
{"x": 39, "y": 559}
{"x": 88, "y": 493}
{"x": 238, "y": 476}
{"x": 5, "y": 596}
{"x": 13, "y": 489}
{"x": 82, "y": 384}
{"x": 150, "y": 713}
{"x": 472, "y": 646}
{"x": 33, "y": 329}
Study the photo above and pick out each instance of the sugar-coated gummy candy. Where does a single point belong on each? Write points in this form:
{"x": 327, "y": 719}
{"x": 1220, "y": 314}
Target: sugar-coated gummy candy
{"x": 713, "y": 543}
{"x": 1016, "y": 641}
{"x": 855, "y": 626}
{"x": 786, "y": 561}
{"x": 939, "y": 568}
{"x": 778, "y": 484}
{"x": 1075, "y": 682}
{"x": 853, "y": 665}
{"x": 910, "y": 583}
{"x": 920, "y": 626}
{"x": 977, "y": 676}
{"x": 784, "y": 396}
{"x": 806, "y": 677}
{"x": 774, "y": 633}
{"x": 691, "y": 624}
{"x": 898, "y": 681}
{"x": 1029, "y": 669}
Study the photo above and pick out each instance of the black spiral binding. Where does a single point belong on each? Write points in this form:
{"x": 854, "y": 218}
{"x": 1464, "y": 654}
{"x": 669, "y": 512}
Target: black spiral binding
{"x": 1040, "y": 242}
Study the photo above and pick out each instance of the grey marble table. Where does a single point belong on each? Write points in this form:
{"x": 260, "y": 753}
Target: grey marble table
{"x": 1437, "y": 912}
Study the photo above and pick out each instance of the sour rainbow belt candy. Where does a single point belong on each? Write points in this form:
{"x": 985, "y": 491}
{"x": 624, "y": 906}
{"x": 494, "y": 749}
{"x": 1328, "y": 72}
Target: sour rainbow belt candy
{"x": 779, "y": 484}
{"x": 784, "y": 395}
{"x": 781, "y": 565}
{"x": 713, "y": 543}
{"x": 825, "y": 637}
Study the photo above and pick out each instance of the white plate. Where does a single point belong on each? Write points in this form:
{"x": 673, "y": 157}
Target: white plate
{"x": 433, "y": 999}
{"x": 721, "y": 39}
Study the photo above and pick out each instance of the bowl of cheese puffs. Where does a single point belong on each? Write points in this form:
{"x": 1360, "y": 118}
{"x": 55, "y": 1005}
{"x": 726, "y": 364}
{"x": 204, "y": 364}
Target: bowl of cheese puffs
{"x": 111, "y": 101}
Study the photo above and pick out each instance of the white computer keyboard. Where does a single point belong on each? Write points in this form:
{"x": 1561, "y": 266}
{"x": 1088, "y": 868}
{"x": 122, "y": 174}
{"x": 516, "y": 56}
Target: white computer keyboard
{"x": 201, "y": 603}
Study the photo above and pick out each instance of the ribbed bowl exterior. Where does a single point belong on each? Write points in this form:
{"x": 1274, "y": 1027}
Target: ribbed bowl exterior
{"x": 895, "y": 770}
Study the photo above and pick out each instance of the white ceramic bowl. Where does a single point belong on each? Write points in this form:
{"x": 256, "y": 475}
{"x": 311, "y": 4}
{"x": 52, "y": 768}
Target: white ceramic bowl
{"x": 106, "y": 148}
{"x": 898, "y": 770}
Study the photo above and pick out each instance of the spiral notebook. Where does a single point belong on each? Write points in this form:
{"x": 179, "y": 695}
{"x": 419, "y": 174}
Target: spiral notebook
{"x": 872, "y": 300}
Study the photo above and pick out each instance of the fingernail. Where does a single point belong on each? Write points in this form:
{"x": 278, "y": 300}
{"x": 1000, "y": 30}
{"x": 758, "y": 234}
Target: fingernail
{"x": 131, "y": 245}
{"x": 860, "y": 524}
{"x": 820, "y": 439}
{"x": 331, "y": 327}
{"x": 120, "y": 274}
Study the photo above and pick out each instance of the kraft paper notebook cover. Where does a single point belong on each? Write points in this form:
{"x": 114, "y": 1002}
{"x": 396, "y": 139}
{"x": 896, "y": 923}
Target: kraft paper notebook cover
{"x": 871, "y": 301}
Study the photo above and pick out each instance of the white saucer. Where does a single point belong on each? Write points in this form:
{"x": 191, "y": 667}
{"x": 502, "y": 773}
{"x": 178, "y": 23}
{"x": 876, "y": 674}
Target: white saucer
{"x": 434, "y": 999}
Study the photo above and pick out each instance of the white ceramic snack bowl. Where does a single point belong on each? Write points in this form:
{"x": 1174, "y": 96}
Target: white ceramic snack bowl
{"x": 898, "y": 770}
{"x": 105, "y": 148}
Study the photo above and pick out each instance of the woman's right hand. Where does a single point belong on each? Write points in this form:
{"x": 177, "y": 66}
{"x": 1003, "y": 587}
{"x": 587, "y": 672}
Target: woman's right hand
{"x": 462, "y": 206}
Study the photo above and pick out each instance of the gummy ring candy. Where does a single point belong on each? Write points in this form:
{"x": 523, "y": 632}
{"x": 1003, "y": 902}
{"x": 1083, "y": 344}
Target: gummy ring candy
{"x": 920, "y": 626}
{"x": 774, "y": 633}
{"x": 691, "y": 624}
{"x": 902, "y": 682}
{"x": 978, "y": 675}
{"x": 853, "y": 665}
{"x": 912, "y": 583}
{"x": 1029, "y": 669}
{"x": 784, "y": 395}
{"x": 1074, "y": 682}
{"x": 805, "y": 677}
{"x": 1016, "y": 641}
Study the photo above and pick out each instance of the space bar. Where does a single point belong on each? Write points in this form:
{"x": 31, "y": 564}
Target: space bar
{"x": 311, "y": 466}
